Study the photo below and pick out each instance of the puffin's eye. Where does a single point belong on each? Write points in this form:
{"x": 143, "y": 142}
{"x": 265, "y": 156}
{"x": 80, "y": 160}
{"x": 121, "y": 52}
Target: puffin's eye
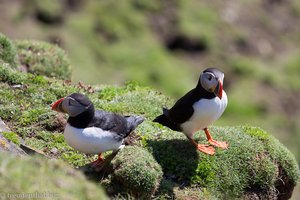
{"x": 209, "y": 78}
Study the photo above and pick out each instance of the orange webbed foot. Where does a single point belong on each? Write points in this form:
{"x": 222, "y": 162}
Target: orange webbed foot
{"x": 213, "y": 142}
{"x": 220, "y": 144}
{"x": 206, "y": 149}
{"x": 98, "y": 162}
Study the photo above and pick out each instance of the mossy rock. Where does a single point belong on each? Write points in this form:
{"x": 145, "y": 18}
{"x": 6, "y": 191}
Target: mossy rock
{"x": 39, "y": 176}
{"x": 254, "y": 162}
{"x": 136, "y": 172}
{"x": 43, "y": 59}
{"x": 7, "y": 51}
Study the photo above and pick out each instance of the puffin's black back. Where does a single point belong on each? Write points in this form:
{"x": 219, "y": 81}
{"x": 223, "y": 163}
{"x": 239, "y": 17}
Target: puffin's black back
{"x": 107, "y": 121}
{"x": 121, "y": 125}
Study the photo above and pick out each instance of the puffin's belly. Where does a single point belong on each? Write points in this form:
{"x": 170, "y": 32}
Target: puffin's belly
{"x": 206, "y": 111}
{"x": 91, "y": 140}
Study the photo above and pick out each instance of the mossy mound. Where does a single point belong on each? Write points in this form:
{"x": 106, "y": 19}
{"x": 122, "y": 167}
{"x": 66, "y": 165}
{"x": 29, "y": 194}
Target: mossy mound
{"x": 136, "y": 172}
{"x": 7, "y": 50}
{"x": 37, "y": 177}
{"x": 254, "y": 161}
{"x": 43, "y": 59}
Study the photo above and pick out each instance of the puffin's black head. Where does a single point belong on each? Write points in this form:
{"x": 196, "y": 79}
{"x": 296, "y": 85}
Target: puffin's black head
{"x": 74, "y": 104}
{"x": 211, "y": 80}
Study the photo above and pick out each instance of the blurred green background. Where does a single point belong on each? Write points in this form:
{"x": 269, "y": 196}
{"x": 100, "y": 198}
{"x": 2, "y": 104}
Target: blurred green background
{"x": 166, "y": 44}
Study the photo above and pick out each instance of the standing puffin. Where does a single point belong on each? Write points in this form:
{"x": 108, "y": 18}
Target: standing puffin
{"x": 94, "y": 131}
{"x": 197, "y": 109}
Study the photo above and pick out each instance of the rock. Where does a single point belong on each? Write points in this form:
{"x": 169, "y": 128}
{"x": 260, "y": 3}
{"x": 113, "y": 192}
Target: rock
{"x": 3, "y": 127}
{"x": 6, "y": 145}
{"x": 10, "y": 147}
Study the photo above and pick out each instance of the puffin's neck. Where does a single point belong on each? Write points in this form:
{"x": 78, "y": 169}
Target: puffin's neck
{"x": 204, "y": 92}
{"x": 82, "y": 120}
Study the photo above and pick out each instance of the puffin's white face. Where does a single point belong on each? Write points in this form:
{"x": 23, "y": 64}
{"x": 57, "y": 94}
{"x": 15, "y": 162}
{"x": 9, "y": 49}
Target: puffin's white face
{"x": 211, "y": 83}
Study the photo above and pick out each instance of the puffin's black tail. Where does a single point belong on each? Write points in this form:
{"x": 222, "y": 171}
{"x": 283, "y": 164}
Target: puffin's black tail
{"x": 165, "y": 121}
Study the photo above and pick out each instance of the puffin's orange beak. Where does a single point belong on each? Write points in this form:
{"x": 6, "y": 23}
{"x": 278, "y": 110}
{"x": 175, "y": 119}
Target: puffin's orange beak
{"x": 57, "y": 106}
{"x": 219, "y": 90}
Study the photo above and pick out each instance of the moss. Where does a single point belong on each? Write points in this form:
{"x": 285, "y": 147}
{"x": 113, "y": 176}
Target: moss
{"x": 12, "y": 137}
{"x": 43, "y": 58}
{"x": 11, "y": 76}
{"x": 39, "y": 176}
{"x": 249, "y": 162}
{"x": 7, "y": 51}
{"x": 137, "y": 171}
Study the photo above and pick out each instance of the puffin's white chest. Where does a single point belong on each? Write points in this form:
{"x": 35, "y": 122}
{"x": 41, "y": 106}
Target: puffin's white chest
{"x": 206, "y": 111}
{"x": 91, "y": 140}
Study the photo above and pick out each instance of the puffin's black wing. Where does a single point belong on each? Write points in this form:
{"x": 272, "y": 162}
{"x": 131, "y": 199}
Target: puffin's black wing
{"x": 115, "y": 123}
{"x": 179, "y": 113}
{"x": 183, "y": 108}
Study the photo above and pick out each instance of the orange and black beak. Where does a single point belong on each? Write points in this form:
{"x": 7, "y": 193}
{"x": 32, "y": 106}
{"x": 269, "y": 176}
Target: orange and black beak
{"x": 219, "y": 90}
{"x": 57, "y": 106}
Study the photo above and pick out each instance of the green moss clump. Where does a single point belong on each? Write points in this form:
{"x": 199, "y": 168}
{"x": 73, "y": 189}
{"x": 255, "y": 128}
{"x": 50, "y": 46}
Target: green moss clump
{"x": 137, "y": 171}
{"x": 9, "y": 75}
{"x": 12, "y": 137}
{"x": 44, "y": 59}
{"x": 7, "y": 51}
{"x": 37, "y": 175}
{"x": 254, "y": 161}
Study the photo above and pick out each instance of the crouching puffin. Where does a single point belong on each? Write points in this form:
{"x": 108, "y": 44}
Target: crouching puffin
{"x": 93, "y": 131}
{"x": 197, "y": 109}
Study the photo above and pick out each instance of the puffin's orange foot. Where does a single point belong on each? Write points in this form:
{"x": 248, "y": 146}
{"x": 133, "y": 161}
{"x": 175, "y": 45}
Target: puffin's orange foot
{"x": 97, "y": 163}
{"x": 222, "y": 145}
{"x": 206, "y": 149}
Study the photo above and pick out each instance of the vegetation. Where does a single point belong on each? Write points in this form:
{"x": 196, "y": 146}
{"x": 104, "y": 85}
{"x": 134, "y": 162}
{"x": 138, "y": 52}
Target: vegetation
{"x": 44, "y": 59}
{"x": 158, "y": 162}
{"x": 43, "y": 178}
{"x": 7, "y": 51}
{"x": 136, "y": 172}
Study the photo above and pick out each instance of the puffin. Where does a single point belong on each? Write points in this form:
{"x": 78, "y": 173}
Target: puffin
{"x": 93, "y": 131}
{"x": 198, "y": 109}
